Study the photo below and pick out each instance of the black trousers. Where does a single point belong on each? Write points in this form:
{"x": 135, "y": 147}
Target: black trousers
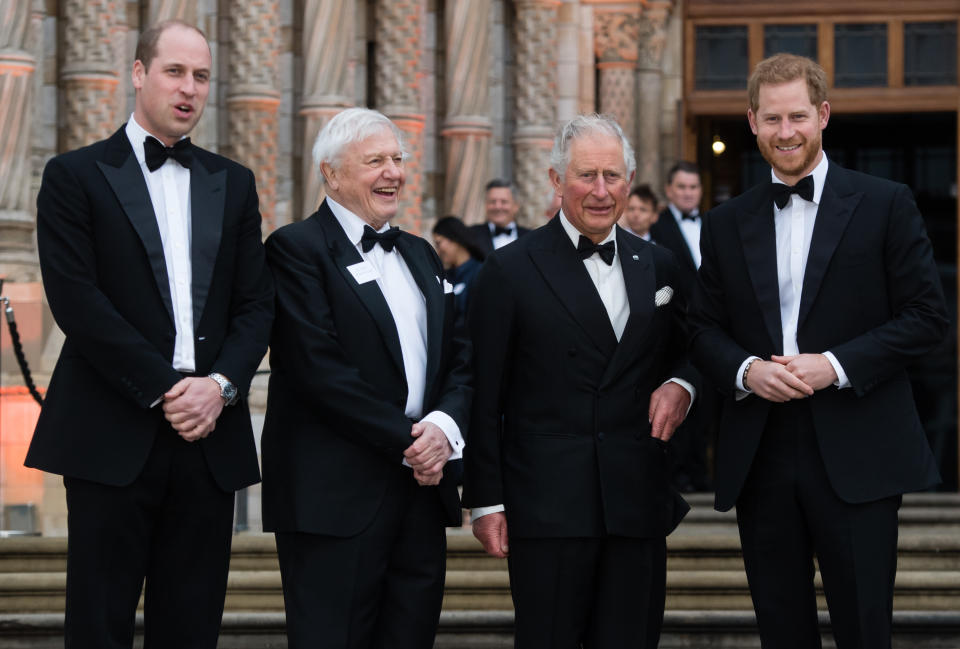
{"x": 172, "y": 526}
{"x": 787, "y": 513}
{"x": 595, "y": 593}
{"x": 380, "y": 589}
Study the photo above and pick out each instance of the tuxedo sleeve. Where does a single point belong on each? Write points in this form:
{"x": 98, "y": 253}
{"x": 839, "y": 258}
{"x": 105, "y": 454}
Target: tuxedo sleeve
{"x": 251, "y": 299}
{"x": 92, "y": 324}
{"x": 918, "y": 319}
{"x": 713, "y": 350}
{"x": 491, "y": 330}
{"x": 307, "y": 351}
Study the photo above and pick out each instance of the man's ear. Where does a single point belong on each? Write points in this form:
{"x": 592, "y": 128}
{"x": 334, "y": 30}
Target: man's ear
{"x": 753, "y": 120}
{"x": 137, "y": 74}
{"x": 330, "y": 174}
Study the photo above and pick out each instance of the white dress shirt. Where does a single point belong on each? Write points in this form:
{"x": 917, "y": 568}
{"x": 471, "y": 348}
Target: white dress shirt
{"x": 690, "y": 229}
{"x": 500, "y": 240}
{"x": 169, "y": 188}
{"x": 609, "y": 282}
{"x": 408, "y": 307}
{"x": 794, "y": 229}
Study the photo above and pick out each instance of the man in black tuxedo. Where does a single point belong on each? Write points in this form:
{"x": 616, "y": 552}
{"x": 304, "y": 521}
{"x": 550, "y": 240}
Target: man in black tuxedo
{"x": 369, "y": 395}
{"x": 817, "y": 289}
{"x": 153, "y": 266}
{"x": 501, "y": 226}
{"x": 678, "y": 230}
{"x": 578, "y": 329}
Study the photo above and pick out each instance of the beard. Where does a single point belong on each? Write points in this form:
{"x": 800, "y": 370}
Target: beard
{"x": 799, "y": 165}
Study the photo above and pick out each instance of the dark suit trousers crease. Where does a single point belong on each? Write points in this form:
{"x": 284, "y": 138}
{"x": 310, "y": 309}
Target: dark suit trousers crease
{"x": 381, "y": 589}
{"x": 787, "y": 513}
{"x": 172, "y": 526}
{"x": 595, "y": 593}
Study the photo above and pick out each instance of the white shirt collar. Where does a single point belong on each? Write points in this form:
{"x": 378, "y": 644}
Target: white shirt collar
{"x": 575, "y": 234}
{"x": 819, "y": 174}
{"x": 351, "y": 223}
{"x": 678, "y": 215}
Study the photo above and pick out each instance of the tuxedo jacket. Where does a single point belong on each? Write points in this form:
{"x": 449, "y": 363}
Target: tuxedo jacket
{"x": 484, "y": 239}
{"x": 559, "y": 431}
{"x": 667, "y": 233}
{"x": 106, "y": 282}
{"x": 335, "y": 427}
{"x": 870, "y": 295}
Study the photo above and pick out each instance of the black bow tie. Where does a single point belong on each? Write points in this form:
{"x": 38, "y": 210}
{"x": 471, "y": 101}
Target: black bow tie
{"x": 498, "y": 230}
{"x": 156, "y": 154}
{"x": 386, "y": 239}
{"x": 803, "y": 189}
{"x": 607, "y": 250}
{"x": 687, "y": 216}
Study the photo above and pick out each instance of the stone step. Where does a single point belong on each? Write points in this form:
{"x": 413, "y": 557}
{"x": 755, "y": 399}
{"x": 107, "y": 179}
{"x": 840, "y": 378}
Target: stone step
{"x": 260, "y": 590}
{"x": 494, "y": 630}
{"x": 690, "y": 547}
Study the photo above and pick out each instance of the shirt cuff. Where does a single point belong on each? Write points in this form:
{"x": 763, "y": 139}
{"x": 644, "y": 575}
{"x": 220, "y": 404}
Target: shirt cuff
{"x": 478, "y": 512}
{"x": 686, "y": 385}
{"x": 445, "y": 422}
{"x": 842, "y": 380}
{"x": 743, "y": 391}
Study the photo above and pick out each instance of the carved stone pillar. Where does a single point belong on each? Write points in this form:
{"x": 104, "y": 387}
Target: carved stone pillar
{"x": 253, "y": 99}
{"x": 17, "y": 66}
{"x": 328, "y": 33}
{"x": 652, "y": 40}
{"x": 467, "y": 129}
{"x": 89, "y": 77}
{"x": 185, "y": 10}
{"x": 615, "y": 42}
{"x": 398, "y": 26}
{"x": 535, "y": 38}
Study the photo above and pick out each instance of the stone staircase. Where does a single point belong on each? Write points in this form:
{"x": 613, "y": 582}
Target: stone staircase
{"x": 708, "y": 603}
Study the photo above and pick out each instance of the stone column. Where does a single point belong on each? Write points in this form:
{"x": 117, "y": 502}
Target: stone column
{"x": 652, "y": 40}
{"x": 17, "y": 66}
{"x": 398, "y": 26}
{"x": 467, "y": 129}
{"x": 615, "y": 43}
{"x": 157, "y": 10}
{"x": 253, "y": 99}
{"x": 536, "y": 43}
{"x": 328, "y": 33}
{"x": 89, "y": 77}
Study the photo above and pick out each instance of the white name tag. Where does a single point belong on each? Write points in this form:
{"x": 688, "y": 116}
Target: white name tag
{"x": 363, "y": 272}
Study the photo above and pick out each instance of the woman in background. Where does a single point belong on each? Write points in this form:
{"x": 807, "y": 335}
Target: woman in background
{"x": 462, "y": 257}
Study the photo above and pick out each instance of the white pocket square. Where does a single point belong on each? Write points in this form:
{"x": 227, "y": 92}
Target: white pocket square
{"x": 447, "y": 287}
{"x": 663, "y": 296}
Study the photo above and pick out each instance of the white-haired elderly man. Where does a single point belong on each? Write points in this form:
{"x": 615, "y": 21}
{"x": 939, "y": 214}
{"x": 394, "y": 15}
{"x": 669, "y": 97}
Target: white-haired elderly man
{"x": 368, "y": 395}
{"x": 580, "y": 380}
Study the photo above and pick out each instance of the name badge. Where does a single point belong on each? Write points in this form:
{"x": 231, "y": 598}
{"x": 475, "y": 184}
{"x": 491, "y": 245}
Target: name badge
{"x": 363, "y": 272}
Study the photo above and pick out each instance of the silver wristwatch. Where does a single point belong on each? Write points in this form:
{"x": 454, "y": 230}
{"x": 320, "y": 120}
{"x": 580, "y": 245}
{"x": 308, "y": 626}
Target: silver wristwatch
{"x": 228, "y": 391}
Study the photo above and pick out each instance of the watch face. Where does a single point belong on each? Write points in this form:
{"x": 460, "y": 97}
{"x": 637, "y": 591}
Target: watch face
{"x": 229, "y": 391}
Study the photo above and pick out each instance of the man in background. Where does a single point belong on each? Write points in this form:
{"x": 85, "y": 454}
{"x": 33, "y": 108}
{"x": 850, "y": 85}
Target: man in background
{"x": 501, "y": 226}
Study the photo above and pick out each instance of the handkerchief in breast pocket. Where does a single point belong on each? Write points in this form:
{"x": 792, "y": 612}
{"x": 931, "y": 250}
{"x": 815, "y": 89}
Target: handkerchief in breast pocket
{"x": 663, "y": 296}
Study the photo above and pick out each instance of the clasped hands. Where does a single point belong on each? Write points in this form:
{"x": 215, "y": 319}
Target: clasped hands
{"x": 192, "y": 406}
{"x": 783, "y": 378}
{"x": 428, "y": 453}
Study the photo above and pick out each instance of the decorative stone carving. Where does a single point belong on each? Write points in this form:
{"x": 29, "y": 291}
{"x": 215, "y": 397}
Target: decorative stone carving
{"x": 253, "y": 99}
{"x": 467, "y": 129}
{"x": 17, "y": 66}
{"x": 615, "y": 35}
{"x": 652, "y": 41}
{"x": 652, "y": 34}
{"x": 398, "y": 26}
{"x": 328, "y": 33}
{"x": 615, "y": 45}
{"x": 185, "y": 10}
{"x": 89, "y": 77}
{"x": 535, "y": 113}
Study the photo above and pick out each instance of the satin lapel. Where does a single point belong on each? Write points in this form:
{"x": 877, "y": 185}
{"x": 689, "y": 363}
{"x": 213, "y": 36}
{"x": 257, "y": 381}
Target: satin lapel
{"x": 675, "y": 239}
{"x": 640, "y": 280}
{"x": 126, "y": 180}
{"x": 345, "y": 254}
{"x": 207, "y": 198}
{"x": 833, "y": 215}
{"x": 759, "y": 238}
{"x": 564, "y": 273}
{"x": 432, "y": 288}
